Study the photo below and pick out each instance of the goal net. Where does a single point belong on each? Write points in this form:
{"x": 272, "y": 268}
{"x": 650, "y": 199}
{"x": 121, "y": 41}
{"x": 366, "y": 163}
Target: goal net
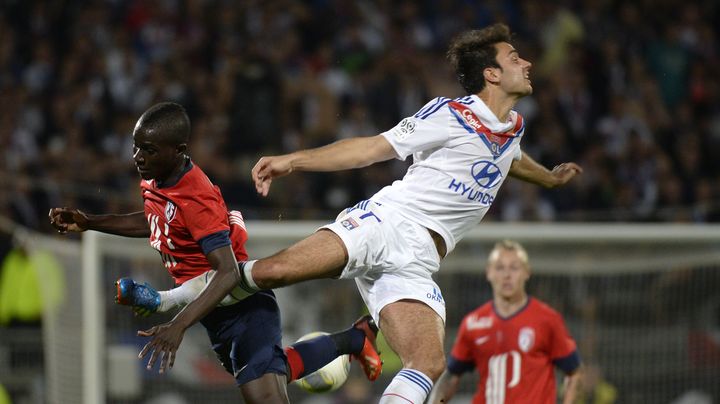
{"x": 641, "y": 301}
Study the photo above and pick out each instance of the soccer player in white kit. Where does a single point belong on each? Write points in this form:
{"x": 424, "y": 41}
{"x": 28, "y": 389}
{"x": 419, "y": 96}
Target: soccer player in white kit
{"x": 463, "y": 150}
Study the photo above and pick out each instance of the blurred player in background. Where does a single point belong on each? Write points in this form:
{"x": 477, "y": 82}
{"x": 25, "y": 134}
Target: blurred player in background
{"x": 187, "y": 221}
{"x": 514, "y": 341}
{"x": 462, "y": 150}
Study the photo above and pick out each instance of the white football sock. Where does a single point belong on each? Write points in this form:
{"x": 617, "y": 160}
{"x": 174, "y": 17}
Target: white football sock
{"x": 246, "y": 275}
{"x": 408, "y": 386}
{"x": 178, "y": 297}
{"x": 183, "y": 294}
{"x": 188, "y": 291}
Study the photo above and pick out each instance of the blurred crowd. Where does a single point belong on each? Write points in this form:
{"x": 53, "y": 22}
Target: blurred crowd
{"x": 629, "y": 90}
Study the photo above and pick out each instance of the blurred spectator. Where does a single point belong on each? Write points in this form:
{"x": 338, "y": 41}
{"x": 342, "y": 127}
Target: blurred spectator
{"x": 4, "y": 396}
{"x": 276, "y": 76}
{"x": 594, "y": 389}
{"x": 20, "y": 295}
{"x": 693, "y": 396}
{"x": 528, "y": 206}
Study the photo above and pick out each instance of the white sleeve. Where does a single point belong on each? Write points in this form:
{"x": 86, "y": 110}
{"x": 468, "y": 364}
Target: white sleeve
{"x": 422, "y": 131}
{"x": 518, "y": 154}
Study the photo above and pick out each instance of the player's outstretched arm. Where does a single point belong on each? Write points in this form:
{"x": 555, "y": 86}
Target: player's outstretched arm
{"x": 445, "y": 388}
{"x": 342, "y": 155}
{"x": 166, "y": 338}
{"x": 531, "y": 171}
{"x": 74, "y": 220}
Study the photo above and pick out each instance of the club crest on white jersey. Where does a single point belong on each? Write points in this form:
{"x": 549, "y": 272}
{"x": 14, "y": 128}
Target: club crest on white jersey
{"x": 349, "y": 223}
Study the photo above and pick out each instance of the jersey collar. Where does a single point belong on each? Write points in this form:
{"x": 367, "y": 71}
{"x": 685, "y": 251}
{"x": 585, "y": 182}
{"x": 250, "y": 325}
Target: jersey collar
{"x": 520, "y": 310}
{"x": 174, "y": 181}
{"x": 488, "y": 118}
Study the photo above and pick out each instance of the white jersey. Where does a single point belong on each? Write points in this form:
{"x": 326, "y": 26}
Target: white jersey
{"x": 461, "y": 155}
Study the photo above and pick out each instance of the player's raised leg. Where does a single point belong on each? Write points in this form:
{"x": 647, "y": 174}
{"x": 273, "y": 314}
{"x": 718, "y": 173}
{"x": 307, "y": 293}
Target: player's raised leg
{"x": 416, "y": 333}
{"x": 321, "y": 255}
{"x": 147, "y": 300}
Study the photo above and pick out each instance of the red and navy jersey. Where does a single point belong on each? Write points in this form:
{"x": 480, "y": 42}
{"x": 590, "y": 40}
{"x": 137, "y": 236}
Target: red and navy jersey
{"x": 183, "y": 216}
{"x": 515, "y": 356}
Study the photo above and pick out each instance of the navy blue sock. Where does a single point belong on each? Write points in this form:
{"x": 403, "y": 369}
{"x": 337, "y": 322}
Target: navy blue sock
{"x": 350, "y": 341}
{"x": 315, "y": 353}
{"x": 319, "y": 351}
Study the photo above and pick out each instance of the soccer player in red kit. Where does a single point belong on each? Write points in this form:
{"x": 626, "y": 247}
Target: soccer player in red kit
{"x": 188, "y": 223}
{"x": 514, "y": 341}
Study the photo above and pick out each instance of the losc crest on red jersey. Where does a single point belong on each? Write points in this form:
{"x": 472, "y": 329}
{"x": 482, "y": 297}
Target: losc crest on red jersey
{"x": 170, "y": 211}
{"x": 526, "y": 339}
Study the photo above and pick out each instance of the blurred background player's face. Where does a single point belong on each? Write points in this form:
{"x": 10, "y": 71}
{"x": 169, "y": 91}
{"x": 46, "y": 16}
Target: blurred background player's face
{"x": 507, "y": 274}
{"x": 154, "y": 158}
{"x": 515, "y": 75}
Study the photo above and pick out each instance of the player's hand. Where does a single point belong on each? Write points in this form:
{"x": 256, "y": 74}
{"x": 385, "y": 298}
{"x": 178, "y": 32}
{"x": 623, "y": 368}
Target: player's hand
{"x": 66, "y": 219}
{"x": 166, "y": 339}
{"x": 268, "y": 168}
{"x": 565, "y": 172}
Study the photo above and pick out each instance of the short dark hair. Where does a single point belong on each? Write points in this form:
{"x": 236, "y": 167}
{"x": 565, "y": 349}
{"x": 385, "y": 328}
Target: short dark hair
{"x": 168, "y": 120}
{"x": 471, "y": 52}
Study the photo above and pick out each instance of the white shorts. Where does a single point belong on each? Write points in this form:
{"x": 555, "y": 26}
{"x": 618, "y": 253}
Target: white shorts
{"x": 390, "y": 258}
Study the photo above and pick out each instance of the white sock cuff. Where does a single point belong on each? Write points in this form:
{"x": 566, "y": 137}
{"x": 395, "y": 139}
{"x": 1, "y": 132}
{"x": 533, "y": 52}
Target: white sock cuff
{"x": 247, "y": 274}
{"x": 416, "y": 379}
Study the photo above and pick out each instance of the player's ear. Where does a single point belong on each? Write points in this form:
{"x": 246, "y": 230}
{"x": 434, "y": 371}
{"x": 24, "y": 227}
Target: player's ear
{"x": 181, "y": 148}
{"x": 491, "y": 75}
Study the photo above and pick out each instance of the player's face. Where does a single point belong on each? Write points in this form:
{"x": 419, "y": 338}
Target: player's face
{"x": 507, "y": 274}
{"x": 515, "y": 74}
{"x": 154, "y": 158}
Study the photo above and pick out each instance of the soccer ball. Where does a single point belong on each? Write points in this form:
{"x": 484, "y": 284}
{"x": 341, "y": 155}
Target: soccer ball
{"x": 328, "y": 378}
